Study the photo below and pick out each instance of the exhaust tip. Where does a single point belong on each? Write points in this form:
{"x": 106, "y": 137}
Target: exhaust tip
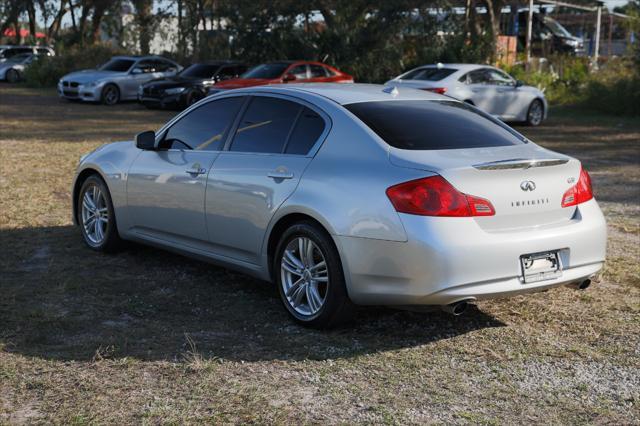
{"x": 582, "y": 285}
{"x": 456, "y": 309}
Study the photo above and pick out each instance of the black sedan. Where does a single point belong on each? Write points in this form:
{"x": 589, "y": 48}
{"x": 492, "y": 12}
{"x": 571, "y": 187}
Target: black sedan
{"x": 189, "y": 86}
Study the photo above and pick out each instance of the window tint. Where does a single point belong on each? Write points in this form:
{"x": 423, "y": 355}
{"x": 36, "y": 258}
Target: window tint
{"x": 306, "y": 132}
{"x": 230, "y": 71}
{"x": 119, "y": 65}
{"x": 272, "y": 70}
{"x": 203, "y": 128}
{"x": 430, "y": 125}
{"x": 300, "y": 71}
{"x": 318, "y": 71}
{"x": 162, "y": 66}
{"x": 199, "y": 71}
{"x": 146, "y": 66}
{"x": 429, "y": 74}
{"x": 476, "y": 77}
{"x": 499, "y": 78}
{"x": 265, "y": 125}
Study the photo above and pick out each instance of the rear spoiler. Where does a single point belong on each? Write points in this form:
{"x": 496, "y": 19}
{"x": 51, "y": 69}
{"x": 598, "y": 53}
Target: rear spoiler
{"x": 519, "y": 163}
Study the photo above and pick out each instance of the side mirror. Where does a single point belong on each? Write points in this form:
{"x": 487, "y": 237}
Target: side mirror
{"x": 146, "y": 140}
{"x": 519, "y": 83}
{"x": 289, "y": 77}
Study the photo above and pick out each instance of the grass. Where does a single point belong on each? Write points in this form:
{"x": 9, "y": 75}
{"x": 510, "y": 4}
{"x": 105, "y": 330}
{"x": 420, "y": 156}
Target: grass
{"x": 145, "y": 336}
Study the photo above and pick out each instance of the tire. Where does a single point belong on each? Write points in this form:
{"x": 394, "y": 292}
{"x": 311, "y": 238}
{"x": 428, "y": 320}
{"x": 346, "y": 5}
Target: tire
{"x": 13, "y": 76}
{"x": 106, "y": 239}
{"x": 535, "y": 113}
{"x": 110, "y": 94}
{"x": 322, "y": 303}
{"x": 192, "y": 98}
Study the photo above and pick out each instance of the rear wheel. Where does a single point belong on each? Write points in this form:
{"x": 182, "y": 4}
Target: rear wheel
{"x": 310, "y": 278}
{"x": 535, "y": 113}
{"x": 13, "y": 76}
{"x": 96, "y": 215}
{"x": 110, "y": 94}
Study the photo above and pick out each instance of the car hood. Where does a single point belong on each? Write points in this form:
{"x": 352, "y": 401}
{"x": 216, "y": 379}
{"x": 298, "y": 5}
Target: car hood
{"x": 237, "y": 83}
{"x": 168, "y": 83}
{"x": 88, "y": 76}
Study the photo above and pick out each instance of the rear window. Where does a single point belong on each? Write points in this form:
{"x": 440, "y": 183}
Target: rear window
{"x": 431, "y": 125}
{"x": 429, "y": 74}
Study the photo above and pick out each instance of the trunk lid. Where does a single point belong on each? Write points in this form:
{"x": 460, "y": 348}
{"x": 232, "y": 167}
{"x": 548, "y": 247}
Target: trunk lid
{"x": 525, "y": 183}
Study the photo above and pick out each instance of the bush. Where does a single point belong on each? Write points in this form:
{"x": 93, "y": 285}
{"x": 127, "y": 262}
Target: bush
{"x": 46, "y": 71}
{"x": 561, "y": 78}
{"x": 615, "y": 89}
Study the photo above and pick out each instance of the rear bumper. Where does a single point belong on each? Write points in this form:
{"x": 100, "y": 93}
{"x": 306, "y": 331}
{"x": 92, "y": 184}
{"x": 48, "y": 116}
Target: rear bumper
{"x": 446, "y": 260}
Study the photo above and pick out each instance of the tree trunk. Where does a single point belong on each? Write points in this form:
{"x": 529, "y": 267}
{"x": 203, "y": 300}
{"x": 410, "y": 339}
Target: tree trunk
{"x": 52, "y": 32}
{"x": 145, "y": 21}
{"x": 31, "y": 12}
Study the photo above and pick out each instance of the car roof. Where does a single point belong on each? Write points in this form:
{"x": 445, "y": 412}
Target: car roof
{"x": 218, "y": 62}
{"x": 139, "y": 57}
{"x": 459, "y": 67}
{"x": 347, "y": 93}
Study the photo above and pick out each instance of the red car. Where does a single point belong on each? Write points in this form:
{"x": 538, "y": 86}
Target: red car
{"x": 285, "y": 72}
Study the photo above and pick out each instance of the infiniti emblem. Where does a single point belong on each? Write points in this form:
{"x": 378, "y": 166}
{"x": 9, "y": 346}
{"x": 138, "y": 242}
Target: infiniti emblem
{"x": 528, "y": 185}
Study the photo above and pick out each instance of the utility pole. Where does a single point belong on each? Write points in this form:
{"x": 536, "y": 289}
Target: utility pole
{"x": 529, "y": 31}
{"x": 597, "y": 41}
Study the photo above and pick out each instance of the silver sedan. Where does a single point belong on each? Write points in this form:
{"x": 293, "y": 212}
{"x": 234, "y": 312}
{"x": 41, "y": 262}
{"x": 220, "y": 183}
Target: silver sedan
{"x": 117, "y": 80}
{"x": 349, "y": 194}
{"x": 489, "y": 88}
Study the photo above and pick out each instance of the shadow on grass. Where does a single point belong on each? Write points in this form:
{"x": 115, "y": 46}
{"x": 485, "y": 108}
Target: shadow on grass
{"x": 62, "y": 301}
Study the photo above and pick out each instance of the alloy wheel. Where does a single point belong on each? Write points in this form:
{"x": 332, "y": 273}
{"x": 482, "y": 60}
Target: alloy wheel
{"x": 95, "y": 215}
{"x": 304, "y": 276}
{"x": 110, "y": 95}
{"x": 535, "y": 113}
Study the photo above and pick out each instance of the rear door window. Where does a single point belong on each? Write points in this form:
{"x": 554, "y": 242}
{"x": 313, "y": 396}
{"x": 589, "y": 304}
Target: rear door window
{"x": 434, "y": 125}
{"x": 205, "y": 127}
{"x": 318, "y": 71}
{"x": 265, "y": 125}
{"x": 306, "y": 132}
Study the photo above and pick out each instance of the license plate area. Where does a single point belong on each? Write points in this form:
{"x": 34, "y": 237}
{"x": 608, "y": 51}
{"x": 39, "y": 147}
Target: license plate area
{"x": 540, "y": 266}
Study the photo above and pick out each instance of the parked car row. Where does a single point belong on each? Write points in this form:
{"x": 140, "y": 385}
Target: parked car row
{"x": 157, "y": 82}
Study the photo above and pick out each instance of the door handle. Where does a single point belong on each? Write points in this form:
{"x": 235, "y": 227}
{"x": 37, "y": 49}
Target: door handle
{"x": 197, "y": 171}
{"x": 280, "y": 174}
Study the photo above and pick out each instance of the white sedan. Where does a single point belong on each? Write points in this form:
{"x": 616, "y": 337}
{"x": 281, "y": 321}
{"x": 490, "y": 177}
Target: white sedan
{"x": 488, "y": 88}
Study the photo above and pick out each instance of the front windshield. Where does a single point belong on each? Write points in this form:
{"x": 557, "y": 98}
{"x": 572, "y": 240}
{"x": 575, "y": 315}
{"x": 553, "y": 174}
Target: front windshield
{"x": 556, "y": 28}
{"x": 118, "y": 65}
{"x": 274, "y": 70}
{"x": 199, "y": 71}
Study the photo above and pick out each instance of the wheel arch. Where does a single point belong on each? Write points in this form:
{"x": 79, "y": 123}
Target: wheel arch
{"x": 281, "y": 225}
{"x": 77, "y": 184}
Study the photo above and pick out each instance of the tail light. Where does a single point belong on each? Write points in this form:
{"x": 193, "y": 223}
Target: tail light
{"x": 580, "y": 192}
{"x": 434, "y": 196}
{"x": 438, "y": 90}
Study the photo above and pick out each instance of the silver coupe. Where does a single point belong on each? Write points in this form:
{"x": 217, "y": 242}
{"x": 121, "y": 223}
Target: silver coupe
{"x": 349, "y": 194}
{"x": 117, "y": 80}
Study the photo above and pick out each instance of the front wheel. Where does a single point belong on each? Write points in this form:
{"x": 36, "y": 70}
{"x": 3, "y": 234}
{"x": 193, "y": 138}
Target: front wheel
{"x": 96, "y": 215}
{"x": 310, "y": 278}
{"x": 110, "y": 94}
{"x": 535, "y": 113}
{"x": 13, "y": 76}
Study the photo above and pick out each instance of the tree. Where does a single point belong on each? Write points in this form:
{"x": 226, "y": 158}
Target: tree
{"x": 144, "y": 20}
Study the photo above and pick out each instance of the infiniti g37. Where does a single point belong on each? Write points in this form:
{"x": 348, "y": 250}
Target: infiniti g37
{"x": 349, "y": 195}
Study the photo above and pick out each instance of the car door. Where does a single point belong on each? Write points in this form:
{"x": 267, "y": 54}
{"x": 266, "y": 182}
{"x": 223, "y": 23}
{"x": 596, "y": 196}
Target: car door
{"x": 506, "y": 94}
{"x": 271, "y": 146}
{"x": 166, "y": 187}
